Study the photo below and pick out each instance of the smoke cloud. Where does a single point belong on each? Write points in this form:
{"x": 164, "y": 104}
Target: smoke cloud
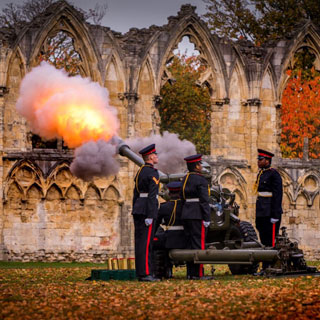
{"x": 95, "y": 159}
{"x": 77, "y": 110}
{"x": 171, "y": 150}
{"x": 72, "y": 108}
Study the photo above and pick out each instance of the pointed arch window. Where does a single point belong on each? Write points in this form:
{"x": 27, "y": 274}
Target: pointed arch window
{"x": 300, "y": 129}
{"x": 185, "y": 107}
{"x": 60, "y": 50}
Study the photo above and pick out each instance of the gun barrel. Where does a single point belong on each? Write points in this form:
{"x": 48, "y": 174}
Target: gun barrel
{"x": 124, "y": 150}
{"x": 239, "y": 256}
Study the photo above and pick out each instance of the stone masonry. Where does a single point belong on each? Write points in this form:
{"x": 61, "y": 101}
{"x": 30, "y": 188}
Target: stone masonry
{"x": 49, "y": 215}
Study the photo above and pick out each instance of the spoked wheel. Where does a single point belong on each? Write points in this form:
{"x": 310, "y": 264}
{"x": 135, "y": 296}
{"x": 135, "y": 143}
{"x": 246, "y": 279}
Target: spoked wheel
{"x": 245, "y": 232}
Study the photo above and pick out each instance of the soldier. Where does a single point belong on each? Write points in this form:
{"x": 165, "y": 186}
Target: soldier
{"x": 170, "y": 235}
{"x": 195, "y": 211}
{"x": 145, "y": 210}
{"x": 268, "y": 205}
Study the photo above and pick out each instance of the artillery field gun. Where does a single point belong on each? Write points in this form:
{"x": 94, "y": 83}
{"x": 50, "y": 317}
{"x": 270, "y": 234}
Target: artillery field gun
{"x": 229, "y": 240}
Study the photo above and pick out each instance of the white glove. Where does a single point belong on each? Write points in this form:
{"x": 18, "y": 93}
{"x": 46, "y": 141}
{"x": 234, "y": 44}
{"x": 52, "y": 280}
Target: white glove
{"x": 272, "y": 220}
{"x": 206, "y": 224}
{"x": 148, "y": 221}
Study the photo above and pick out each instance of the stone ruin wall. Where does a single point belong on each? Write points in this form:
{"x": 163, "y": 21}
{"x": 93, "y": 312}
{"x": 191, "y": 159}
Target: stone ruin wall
{"x": 47, "y": 214}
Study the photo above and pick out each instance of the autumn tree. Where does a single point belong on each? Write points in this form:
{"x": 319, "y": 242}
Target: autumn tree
{"x": 186, "y": 105}
{"x": 259, "y": 20}
{"x": 301, "y": 115}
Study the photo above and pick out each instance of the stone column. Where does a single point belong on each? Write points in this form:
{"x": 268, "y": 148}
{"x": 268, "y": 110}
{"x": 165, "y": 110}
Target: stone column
{"x": 219, "y": 145}
{"x": 3, "y": 92}
{"x": 132, "y": 98}
{"x": 252, "y": 123}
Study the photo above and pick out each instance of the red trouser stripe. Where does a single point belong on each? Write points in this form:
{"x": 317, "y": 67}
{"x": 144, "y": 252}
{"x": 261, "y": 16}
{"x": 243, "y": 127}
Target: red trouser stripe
{"x": 202, "y": 246}
{"x": 147, "y": 249}
{"x": 273, "y": 234}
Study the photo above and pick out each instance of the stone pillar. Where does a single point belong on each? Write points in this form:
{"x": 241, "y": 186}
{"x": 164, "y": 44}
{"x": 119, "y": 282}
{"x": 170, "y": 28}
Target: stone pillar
{"x": 3, "y": 92}
{"x": 219, "y": 128}
{"x": 252, "y": 106}
{"x": 131, "y": 98}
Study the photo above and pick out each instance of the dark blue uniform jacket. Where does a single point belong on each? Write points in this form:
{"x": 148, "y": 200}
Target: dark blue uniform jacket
{"x": 195, "y": 186}
{"x": 270, "y": 181}
{"x": 146, "y": 182}
{"x": 170, "y": 215}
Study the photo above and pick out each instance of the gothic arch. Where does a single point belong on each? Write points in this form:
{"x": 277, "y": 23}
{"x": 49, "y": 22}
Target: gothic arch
{"x": 232, "y": 179}
{"x": 56, "y": 167}
{"x": 288, "y": 185}
{"x": 24, "y": 174}
{"x": 201, "y": 37}
{"x": 309, "y": 37}
{"x": 93, "y": 188}
{"x": 238, "y": 74}
{"x": 115, "y": 72}
{"x": 12, "y": 121}
{"x": 270, "y": 77}
{"x": 116, "y": 84}
{"x": 72, "y": 190}
{"x": 147, "y": 65}
{"x": 9, "y": 64}
{"x": 53, "y": 192}
{"x": 111, "y": 193}
{"x": 34, "y": 192}
{"x": 146, "y": 115}
{"x": 65, "y": 18}
{"x": 309, "y": 185}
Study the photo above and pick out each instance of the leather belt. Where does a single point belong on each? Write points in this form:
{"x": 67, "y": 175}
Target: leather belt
{"x": 265, "y": 194}
{"x": 193, "y": 200}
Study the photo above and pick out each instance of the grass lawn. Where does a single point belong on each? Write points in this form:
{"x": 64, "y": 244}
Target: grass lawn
{"x": 60, "y": 291}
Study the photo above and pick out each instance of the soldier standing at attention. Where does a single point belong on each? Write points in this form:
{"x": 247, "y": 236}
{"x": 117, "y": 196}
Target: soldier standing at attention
{"x": 269, "y": 200}
{"x": 195, "y": 211}
{"x": 145, "y": 210}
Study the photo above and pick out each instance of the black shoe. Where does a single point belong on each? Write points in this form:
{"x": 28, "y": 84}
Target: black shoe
{"x": 149, "y": 279}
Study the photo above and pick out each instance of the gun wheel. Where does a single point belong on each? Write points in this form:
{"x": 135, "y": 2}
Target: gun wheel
{"x": 246, "y": 232}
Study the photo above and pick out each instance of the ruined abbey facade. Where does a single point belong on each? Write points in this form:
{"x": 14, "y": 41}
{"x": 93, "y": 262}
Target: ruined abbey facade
{"x": 48, "y": 214}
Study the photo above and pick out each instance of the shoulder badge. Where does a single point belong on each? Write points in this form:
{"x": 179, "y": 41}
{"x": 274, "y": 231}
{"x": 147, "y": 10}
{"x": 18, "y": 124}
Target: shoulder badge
{"x": 156, "y": 180}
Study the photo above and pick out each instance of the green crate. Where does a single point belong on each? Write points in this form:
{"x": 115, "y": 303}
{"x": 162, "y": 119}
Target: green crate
{"x": 106, "y": 275}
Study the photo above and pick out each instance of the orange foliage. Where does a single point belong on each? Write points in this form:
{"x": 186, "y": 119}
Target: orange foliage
{"x": 301, "y": 115}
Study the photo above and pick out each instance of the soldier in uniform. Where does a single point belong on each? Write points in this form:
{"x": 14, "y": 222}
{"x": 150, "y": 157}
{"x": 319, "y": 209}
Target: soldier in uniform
{"x": 170, "y": 234}
{"x": 269, "y": 201}
{"x": 145, "y": 210}
{"x": 195, "y": 211}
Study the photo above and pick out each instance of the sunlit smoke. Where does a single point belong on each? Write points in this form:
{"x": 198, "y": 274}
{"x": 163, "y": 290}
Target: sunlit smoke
{"x": 72, "y": 108}
{"x": 95, "y": 159}
{"x": 171, "y": 150}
